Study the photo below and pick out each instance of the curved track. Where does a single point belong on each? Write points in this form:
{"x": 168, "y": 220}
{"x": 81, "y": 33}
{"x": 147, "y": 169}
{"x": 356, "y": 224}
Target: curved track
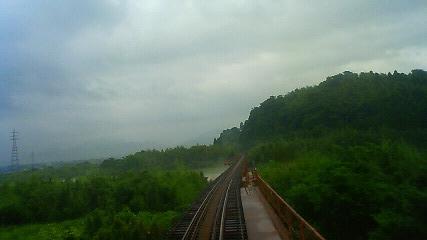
{"x": 218, "y": 213}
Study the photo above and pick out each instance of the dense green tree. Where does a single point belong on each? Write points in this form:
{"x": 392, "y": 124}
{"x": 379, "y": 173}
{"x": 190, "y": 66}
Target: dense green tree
{"x": 349, "y": 154}
{"x": 365, "y": 101}
{"x": 129, "y": 205}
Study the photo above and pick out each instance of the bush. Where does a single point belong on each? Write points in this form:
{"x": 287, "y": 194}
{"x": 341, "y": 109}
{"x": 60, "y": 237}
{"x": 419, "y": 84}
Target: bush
{"x": 357, "y": 191}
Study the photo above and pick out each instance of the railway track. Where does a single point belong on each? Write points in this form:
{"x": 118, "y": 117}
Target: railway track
{"x": 218, "y": 213}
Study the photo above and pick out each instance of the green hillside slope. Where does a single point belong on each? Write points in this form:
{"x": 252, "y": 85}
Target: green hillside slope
{"x": 365, "y": 101}
{"x": 348, "y": 154}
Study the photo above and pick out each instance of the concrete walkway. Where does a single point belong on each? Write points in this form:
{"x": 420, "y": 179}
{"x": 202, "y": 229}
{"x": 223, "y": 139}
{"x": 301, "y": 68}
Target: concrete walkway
{"x": 261, "y": 221}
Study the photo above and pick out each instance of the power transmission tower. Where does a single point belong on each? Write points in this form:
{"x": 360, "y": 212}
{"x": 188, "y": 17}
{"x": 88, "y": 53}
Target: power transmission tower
{"x": 32, "y": 161}
{"x": 14, "y": 159}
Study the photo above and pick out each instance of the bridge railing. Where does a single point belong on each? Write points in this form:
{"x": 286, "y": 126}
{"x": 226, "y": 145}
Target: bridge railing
{"x": 296, "y": 226}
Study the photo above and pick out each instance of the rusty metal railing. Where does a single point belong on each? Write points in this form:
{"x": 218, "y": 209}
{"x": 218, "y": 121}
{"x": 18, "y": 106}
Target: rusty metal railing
{"x": 296, "y": 226}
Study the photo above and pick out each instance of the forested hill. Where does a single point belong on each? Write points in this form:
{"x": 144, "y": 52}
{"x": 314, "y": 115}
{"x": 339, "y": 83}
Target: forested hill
{"x": 365, "y": 101}
{"x": 349, "y": 154}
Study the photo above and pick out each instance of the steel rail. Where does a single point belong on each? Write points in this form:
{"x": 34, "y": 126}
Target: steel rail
{"x": 196, "y": 215}
{"x": 221, "y": 195}
{"x": 224, "y": 207}
{"x": 243, "y": 233}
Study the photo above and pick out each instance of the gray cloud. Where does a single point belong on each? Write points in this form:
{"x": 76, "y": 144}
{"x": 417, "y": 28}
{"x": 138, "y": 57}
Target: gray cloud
{"x": 160, "y": 73}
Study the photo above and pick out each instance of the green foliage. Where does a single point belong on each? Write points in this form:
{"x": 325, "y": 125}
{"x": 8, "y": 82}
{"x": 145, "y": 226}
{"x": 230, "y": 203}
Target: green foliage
{"x": 128, "y": 225}
{"x": 374, "y": 189}
{"x": 228, "y": 137}
{"x": 68, "y": 230}
{"x": 365, "y": 101}
{"x": 193, "y": 157}
{"x": 136, "y": 197}
{"x": 63, "y": 171}
{"x": 126, "y": 200}
{"x": 348, "y": 154}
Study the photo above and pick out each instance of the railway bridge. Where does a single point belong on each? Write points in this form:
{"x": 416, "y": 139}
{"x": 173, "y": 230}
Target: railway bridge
{"x": 239, "y": 204}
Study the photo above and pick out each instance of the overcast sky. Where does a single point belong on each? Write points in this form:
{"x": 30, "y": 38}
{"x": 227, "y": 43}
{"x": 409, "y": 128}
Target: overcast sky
{"x": 78, "y": 77}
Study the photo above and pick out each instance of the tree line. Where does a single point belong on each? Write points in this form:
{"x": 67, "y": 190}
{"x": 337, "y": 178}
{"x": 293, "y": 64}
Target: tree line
{"x": 151, "y": 198}
{"x": 136, "y": 197}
